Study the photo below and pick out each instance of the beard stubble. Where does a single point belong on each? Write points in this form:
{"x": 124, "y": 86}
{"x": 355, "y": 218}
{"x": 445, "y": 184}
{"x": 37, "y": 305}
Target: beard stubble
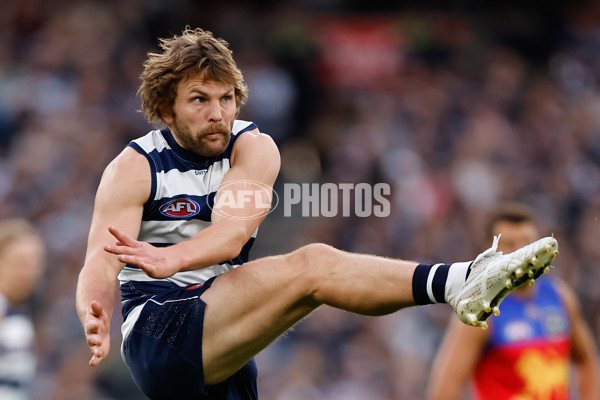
{"x": 197, "y": 142}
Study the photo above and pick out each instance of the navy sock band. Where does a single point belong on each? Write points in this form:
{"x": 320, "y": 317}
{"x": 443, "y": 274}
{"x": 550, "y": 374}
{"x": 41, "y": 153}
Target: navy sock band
{"x": 419, "y": 284}
{"x": 429, "y": 283}
{"x": 438, "y": 286}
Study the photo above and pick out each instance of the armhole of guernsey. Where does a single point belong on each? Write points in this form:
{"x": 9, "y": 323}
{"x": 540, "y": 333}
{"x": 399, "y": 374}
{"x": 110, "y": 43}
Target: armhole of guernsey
{"x": 138, "y": 148}
{"x": 239, "y": 127}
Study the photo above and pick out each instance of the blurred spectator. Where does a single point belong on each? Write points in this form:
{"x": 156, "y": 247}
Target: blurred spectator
{"x": 22, "y": 262}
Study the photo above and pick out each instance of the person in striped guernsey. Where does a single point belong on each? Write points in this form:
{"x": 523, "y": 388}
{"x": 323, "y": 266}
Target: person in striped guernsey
{"x": 22, "y": 264}
{"x": 174, "y": 219}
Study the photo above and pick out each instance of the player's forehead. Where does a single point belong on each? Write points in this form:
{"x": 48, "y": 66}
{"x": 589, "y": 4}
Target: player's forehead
{"x": 204, "y": 83}
{"x": 30, "y": 245}
{"x": 513, "y": 228}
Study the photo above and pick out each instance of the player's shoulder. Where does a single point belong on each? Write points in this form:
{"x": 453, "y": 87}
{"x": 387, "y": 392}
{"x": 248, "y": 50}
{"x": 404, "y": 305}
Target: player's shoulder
{"x": 566, "y": 294}
{"x": 256, "y": 149}
{"x": 129, "y": 162}
{"x": 250, "y": 138}
{"x": 248, "y": 129}
{"x": 129, "y": 158}
{"x": 125, "y": 180}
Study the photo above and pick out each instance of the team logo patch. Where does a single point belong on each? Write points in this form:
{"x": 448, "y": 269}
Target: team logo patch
{"x": 180, "y": 208}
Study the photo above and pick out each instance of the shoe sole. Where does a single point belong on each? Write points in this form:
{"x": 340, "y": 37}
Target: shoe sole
{"x": 476, "y": 309}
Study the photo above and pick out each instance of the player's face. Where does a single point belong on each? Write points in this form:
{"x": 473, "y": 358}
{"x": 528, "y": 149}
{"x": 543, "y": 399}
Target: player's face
{"x": 515, "y": 235}
{"x": 203, "y": 115}
{"x": 21, "y": 266}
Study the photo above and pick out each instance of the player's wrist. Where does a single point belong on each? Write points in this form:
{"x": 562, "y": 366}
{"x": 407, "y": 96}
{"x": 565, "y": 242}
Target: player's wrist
{"x": 178, "y": 259}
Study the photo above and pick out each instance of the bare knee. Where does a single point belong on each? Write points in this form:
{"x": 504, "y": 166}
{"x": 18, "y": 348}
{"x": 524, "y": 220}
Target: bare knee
{"x": 314, "y": 254}
{"x": 313, "y": 263}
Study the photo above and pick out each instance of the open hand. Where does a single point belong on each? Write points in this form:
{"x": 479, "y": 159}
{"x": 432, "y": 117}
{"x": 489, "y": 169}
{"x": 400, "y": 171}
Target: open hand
{"x": 97, "y": 332}
{"x": 156, "y": 262}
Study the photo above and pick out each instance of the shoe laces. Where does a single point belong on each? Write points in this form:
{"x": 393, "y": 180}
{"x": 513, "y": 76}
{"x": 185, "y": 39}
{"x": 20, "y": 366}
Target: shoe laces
{"x": 491, "y": 251}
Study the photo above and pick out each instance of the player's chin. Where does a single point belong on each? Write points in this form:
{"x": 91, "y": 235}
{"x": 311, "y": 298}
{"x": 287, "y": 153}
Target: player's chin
{"x": 213, "y": 148}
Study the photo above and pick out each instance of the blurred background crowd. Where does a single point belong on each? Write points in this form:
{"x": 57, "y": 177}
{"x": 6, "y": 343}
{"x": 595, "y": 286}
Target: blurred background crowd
{"x": 458, "y": 105}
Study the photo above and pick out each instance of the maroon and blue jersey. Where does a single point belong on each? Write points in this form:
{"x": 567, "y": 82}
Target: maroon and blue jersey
{"x": 528, "y": 352}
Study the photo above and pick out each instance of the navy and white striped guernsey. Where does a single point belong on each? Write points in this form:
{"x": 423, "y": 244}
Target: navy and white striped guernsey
{"x": 184, "y": 185}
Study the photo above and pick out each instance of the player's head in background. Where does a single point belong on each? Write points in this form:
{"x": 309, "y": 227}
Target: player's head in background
{"x": 22, "y": 259}
{"x": 517, "y": 224}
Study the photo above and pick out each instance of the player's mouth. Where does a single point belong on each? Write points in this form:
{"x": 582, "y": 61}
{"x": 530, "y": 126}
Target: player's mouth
{"x": 213, "y": 135}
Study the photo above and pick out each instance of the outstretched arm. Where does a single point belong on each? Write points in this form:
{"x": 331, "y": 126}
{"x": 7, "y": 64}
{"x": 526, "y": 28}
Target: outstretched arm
{"x": 583, "y": 349}
{"x": 455, "y": 360}
{"x": 124, "y": 188}
{"x": 255, "y": 164}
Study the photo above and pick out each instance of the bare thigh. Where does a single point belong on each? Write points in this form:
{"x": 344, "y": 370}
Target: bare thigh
{"x": 247, "y": 309}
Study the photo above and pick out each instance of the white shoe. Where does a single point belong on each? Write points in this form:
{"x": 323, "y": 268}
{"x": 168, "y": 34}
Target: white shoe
{"x": 494, "y": 275}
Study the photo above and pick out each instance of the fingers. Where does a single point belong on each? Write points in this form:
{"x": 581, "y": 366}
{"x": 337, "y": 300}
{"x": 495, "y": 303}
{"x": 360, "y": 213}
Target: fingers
{"x": 122, "y": 237}
{"x": 97, "y": 356}
{"x": 131, "y": 256}
{"x": 124, "y": 245}
{"x": 92, "y": 323}
{"x": 95, "y": 343}
{"x": 94, "y": 361}
{"x": 96, "y": 332}
{"x": 150, "y": 269}
{"x": 119, "y": 249}
{"x": 126, "y": 258}
{"x": 96, "y": 308}
{"x": 92, "y": 326}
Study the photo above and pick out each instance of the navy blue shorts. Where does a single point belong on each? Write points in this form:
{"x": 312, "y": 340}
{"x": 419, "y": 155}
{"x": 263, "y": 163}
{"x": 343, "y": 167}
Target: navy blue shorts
{"x": 164, "y": 351}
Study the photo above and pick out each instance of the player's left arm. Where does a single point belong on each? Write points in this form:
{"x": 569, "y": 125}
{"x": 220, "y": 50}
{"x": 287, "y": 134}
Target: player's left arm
{"x": 583, "y": 349}
{"x": 241, "y": 204}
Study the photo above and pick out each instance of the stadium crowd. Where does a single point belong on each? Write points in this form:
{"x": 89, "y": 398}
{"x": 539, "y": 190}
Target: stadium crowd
{"x": 457, "y": 108}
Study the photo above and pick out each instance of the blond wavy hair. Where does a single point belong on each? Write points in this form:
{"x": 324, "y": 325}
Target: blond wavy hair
{"x": 194, "y": 51}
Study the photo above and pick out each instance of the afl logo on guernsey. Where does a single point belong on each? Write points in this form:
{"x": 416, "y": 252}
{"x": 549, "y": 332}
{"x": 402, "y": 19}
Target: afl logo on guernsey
{"x": 180, "y": 208}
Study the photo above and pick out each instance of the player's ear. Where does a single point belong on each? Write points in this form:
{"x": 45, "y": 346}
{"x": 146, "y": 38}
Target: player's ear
{"x": 166, "y": 114}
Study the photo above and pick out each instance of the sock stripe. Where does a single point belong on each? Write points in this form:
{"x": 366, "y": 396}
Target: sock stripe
{"x": 430, "y": 280}
{"x": 438, "y": 285}
{"x": 419, "y": 282}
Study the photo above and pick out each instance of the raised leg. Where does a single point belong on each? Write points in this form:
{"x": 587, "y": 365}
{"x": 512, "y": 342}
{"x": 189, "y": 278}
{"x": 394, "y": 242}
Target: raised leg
{"x": 251, "y": 306}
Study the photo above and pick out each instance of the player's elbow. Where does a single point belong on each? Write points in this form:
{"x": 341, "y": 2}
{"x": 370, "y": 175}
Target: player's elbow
{"x": 236, "y": 242}
{"x": 232, "y": 252}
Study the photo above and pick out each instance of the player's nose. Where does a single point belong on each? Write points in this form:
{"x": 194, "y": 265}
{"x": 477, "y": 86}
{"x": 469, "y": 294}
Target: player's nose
{"x": 215, "y": 112}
